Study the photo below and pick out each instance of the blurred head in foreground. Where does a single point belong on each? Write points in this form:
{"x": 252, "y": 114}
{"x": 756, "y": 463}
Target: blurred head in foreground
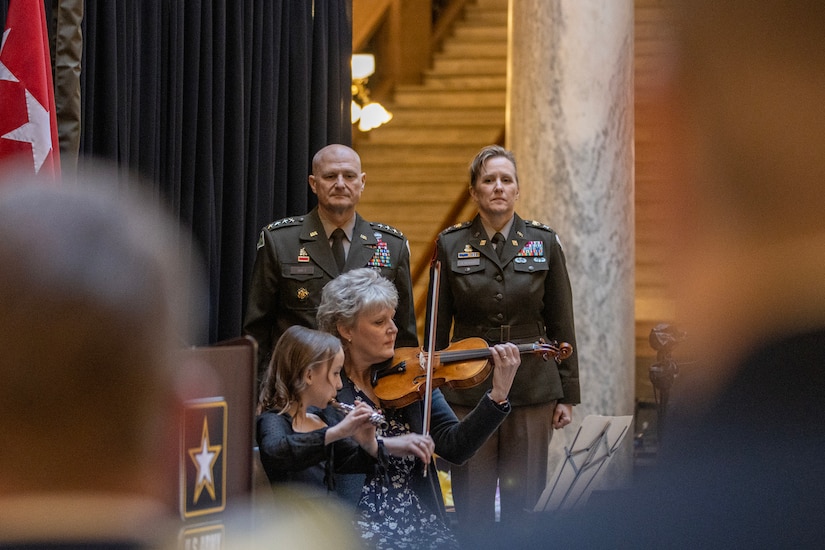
{"x": 741, "y": 123}
{"x": 95, "y": 291}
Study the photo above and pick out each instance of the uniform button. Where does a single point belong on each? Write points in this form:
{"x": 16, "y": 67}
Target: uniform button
{"x": 530, "y": 268}
{"x": 466, "y": 270}
{"x": 499, "y": 316}
{"x": 499, "y": 296}
{"x": 498, "y": 277}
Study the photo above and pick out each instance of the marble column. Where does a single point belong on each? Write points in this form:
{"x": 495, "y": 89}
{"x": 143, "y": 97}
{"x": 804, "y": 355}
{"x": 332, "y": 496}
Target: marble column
{"x": 570, "y": 125}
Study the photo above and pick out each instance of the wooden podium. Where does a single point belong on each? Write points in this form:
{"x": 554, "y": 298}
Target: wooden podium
{"x": 217, "y": 429}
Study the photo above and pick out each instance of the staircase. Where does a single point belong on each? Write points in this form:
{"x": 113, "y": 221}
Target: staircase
{"x": 416, "y": 165}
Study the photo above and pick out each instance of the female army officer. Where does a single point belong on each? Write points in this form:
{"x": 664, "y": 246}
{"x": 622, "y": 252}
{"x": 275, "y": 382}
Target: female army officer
{"x": 504, "y": 279}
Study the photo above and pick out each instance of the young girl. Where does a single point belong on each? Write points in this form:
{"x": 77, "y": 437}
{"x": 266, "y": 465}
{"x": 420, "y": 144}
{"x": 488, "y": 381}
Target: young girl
{"x": 301, "y": 440}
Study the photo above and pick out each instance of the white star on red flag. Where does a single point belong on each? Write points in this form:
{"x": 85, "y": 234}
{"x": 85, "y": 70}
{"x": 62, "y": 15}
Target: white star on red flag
{"x": 28, "y": 126}
{"x": 5, "y": 74}
{"x": 36, "y": 131}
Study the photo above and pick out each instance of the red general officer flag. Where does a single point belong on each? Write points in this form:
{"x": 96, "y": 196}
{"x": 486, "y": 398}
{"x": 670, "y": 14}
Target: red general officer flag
{"x": 28, "y": 126}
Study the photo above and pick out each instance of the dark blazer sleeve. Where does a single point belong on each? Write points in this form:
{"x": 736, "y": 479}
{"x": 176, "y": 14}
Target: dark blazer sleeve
{"x": 283, "y": 450}
{"x": 262, "y": 300}
{"x": 455, "y": 441}
{"x": 558, "y": 318}
{"x": 348, "y": 456}
{"x": 405, "y": 313}
{"x": 445, "y": 301}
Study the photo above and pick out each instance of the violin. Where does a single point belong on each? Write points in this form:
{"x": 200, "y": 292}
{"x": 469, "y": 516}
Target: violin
{"x": 463, "y": 364}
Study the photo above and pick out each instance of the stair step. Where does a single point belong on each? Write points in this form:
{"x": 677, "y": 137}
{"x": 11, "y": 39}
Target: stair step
{"x": 488, "y": 17}
{"x": 376, "y": 164}
{"x": 448, "y": 117}
{"x": 475, "y": 50}
{"x": 480, "y": 33}
{"x": 451, "y": 82}
{"x": 451, "y": 98}
{"x": 489, "y": 4}
{"x": 451, "y": 66}
{"x": 387, "y": 154}
{"x": 432, "y": 177}
{"x": 412, "y": 173}
{"x": 445, "y": 135}
{"x": 422, "y": 191}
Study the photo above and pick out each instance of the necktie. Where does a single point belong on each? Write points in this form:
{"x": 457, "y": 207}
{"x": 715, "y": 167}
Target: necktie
{"x": 498, "y": 243}
{"x": 338, "y": 248}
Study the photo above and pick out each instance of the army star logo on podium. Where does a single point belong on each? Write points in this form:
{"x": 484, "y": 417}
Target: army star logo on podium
{"x": 203, "y": 457}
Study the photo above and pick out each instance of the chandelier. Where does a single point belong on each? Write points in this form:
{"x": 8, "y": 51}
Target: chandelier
{"x": 367, "y": 113}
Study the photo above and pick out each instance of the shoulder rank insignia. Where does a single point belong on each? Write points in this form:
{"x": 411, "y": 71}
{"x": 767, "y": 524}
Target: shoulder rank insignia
{"x": 386, "y": 228}
{"x": 455, "y": 227}
{"x": 284, "y": 222}
{"x": 381, "y": 254}
{"x": 532, "y": 248}
{"x": 539, "y": 225}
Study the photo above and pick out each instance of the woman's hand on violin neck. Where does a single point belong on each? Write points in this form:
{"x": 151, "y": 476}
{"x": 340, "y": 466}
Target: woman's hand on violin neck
{"x": 422, "y": 446}
{"x": 506, "y": 361}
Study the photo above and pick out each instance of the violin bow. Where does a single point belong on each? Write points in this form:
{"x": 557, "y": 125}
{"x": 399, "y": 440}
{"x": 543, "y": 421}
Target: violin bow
{"x": 435, "y": 277}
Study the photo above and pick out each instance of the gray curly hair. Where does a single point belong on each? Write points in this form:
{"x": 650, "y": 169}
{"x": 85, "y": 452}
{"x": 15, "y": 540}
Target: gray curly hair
{"x": 348, "y": 295}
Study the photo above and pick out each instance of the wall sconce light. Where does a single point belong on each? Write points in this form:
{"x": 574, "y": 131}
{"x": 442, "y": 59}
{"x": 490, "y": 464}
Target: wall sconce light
{"x": 367, "y": 113}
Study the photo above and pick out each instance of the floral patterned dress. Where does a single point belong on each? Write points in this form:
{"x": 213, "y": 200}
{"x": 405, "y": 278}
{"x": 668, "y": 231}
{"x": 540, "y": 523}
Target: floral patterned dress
{"x": 391, "y": 515}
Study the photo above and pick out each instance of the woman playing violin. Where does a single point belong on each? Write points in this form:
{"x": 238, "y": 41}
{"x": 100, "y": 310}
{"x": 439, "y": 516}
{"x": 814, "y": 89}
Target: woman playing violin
{"x": 504, "y": 279}
{"x": 403, "y": 507}
{"x": 301, "y": 440}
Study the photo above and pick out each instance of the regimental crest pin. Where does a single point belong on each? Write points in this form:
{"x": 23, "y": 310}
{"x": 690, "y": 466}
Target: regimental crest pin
{"x": 302, "y": 255}
{"x": 468, "y": 253}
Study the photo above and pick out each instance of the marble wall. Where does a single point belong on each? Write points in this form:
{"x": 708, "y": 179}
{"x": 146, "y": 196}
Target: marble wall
{"x": 570, "y": 125}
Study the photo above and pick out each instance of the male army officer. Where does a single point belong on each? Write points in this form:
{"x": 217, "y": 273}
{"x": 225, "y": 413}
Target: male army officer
{"x": 296, "y": 256}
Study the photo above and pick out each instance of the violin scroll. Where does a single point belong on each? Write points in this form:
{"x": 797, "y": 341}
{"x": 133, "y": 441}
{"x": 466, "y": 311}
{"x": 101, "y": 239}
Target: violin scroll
{"x": 558, "y": 351}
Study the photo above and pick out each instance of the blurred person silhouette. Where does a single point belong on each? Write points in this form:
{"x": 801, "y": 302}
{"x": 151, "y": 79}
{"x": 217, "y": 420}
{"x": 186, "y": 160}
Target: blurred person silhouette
{"x": 93, "y": 296}
{"x": 742, "y": 119}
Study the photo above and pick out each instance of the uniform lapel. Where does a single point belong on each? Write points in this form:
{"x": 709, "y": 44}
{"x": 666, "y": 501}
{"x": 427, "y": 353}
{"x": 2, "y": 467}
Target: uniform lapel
{"x": 314, "y": 241}
{"x": 515, "y": 241}
{"x": 363, "y": 244}
{"x": 479, "y": 236}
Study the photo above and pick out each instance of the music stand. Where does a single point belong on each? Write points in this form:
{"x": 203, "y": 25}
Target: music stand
{"x": 595, "y": 443}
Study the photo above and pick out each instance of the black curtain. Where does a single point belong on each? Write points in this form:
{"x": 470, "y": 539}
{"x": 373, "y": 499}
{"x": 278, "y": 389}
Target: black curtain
{"x": 220, "y": 105}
